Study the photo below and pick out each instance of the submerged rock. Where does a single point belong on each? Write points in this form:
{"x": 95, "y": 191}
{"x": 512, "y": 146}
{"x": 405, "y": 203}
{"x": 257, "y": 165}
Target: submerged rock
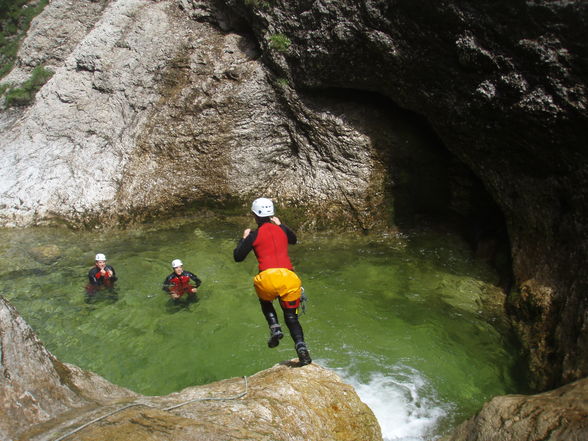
{"x": 43, "y": 399}
{"x": 46, "y": 254}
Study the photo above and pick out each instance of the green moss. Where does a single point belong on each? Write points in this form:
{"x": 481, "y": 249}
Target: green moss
{"x": 25, "y": 94}
{"x": 282, "y": 82}
{"x": 279, "y": 42}
{"x": 15, "y": 19}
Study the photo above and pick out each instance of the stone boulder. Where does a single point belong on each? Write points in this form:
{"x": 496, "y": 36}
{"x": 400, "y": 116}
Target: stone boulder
{"x": 557, "y": 415}
{"x": 43, "y": 399}
{"x": 46, "y": 254}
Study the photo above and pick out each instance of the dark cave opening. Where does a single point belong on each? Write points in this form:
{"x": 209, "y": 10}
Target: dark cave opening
{"x": 426, "y": 184}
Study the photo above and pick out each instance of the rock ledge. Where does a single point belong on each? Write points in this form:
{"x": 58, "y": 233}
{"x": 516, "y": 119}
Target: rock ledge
{"x": 43, "y": 399}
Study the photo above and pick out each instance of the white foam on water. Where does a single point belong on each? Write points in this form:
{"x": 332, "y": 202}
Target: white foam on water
{"x": 402, "y": 402}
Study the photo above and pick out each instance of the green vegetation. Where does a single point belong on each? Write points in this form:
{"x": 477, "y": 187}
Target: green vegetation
{"x": 280, "y": 42}
{"x": 282, "y": 82}
{"x": 15, "y": 18}
{"x": 24, "y": 95}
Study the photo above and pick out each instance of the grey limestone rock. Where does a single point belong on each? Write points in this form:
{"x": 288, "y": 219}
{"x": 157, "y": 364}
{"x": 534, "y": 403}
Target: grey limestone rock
{"x": 152, "y": 107}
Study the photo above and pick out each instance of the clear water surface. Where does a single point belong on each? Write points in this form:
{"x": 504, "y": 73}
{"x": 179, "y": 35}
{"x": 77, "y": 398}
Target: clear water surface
{"x": 400, "y": 318}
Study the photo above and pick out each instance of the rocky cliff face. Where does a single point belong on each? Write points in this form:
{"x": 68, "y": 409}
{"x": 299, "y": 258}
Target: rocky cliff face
{"x": 43, "y": 399}
{"x": 504, "y": 86}
{"x": 151, "y": 108}
{"x": 158, "y": 104}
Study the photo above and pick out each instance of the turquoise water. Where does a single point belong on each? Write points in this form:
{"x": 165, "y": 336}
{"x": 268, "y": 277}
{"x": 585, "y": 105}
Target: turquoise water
{"x": 400, "y": 318}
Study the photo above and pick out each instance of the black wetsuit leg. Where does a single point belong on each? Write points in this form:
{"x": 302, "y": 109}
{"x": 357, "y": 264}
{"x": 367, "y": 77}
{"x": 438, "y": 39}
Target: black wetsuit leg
{"x": 269, "y": 313}
{"x": 291, "y": 319}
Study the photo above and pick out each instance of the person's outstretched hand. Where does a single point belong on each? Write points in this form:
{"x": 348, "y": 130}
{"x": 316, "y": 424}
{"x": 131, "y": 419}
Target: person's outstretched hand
{"x": 246, "y": 232}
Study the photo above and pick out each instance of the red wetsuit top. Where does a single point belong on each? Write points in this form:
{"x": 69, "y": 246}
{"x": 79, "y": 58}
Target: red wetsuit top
{"x": 96, "y": 278}
{"x": 180, "y": 283}
{"x": 270, "y": 244}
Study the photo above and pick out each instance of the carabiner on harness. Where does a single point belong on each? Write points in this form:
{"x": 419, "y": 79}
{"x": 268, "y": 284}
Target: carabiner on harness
{"x": 303, "y": 300}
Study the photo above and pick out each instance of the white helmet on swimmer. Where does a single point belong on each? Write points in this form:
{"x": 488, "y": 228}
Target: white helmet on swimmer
{"x": 100, "y": 257}
{"x": 263, "y": 207}
{"x": 176, "y": 263}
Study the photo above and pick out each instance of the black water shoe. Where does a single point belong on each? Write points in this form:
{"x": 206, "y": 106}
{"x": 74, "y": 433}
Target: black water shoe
{"x": 275, "y": 337}
{"x": 303, "y": 355}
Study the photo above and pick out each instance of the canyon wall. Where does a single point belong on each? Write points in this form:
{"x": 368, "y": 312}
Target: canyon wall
{"x": 151, "y": 108}
{"x": 503, "y": 84}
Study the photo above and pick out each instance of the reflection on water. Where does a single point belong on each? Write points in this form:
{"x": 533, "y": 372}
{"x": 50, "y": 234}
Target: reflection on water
{"x": 401, "y": 319}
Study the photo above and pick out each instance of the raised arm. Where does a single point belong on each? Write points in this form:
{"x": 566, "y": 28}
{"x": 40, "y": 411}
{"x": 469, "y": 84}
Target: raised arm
{"x": 292, "y": 239}
{"x": 244, "y": 246}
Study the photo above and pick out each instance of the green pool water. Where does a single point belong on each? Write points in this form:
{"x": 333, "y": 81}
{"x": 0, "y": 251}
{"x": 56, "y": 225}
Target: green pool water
{"x": 400, "y": 318}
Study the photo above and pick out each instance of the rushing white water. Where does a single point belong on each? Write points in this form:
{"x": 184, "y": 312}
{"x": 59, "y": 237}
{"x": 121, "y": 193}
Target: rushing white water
{"x": 403, "y": 402}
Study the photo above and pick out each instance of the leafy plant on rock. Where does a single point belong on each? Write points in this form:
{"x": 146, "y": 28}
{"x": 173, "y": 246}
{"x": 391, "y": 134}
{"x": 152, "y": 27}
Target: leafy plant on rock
{"x": 25, "y": 94}
{"x": 279, "y": 42}
{"x": 282, "y": 82}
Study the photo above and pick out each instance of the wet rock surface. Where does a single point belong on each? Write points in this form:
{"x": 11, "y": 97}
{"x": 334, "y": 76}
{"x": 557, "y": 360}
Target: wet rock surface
{"x": 37, "y": 387}
{"x": 558, "y": 415}
{"x": 43, "y": 399}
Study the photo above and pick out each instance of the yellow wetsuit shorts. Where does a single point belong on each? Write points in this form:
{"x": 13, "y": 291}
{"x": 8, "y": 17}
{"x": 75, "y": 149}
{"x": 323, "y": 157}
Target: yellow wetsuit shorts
{"x": 278, "y": 282}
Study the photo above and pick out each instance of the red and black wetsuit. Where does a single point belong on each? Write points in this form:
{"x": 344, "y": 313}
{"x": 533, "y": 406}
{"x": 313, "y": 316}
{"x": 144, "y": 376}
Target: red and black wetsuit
{"x": 270, "y": 244}
{"x": 97, "y": 279}
{"x": 180, "y": 284}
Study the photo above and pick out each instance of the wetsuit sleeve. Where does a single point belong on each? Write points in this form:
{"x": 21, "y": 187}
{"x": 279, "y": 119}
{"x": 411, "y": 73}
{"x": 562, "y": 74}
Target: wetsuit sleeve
{"x": 244, "y": 246}
{"x": 167, "y": 283}
{"x": 292, "y": 239}
{"x": 195, "y": 278}
{"x": 92, "y": 276}
{"x": 113, "y": 278}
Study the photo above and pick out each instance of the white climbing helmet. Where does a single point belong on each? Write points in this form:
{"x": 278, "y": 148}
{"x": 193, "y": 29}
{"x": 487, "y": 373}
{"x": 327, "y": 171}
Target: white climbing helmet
{"x": 176, "y": 263}
{"x": 263, "y": 207}
{"x": 100, "y": 257}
